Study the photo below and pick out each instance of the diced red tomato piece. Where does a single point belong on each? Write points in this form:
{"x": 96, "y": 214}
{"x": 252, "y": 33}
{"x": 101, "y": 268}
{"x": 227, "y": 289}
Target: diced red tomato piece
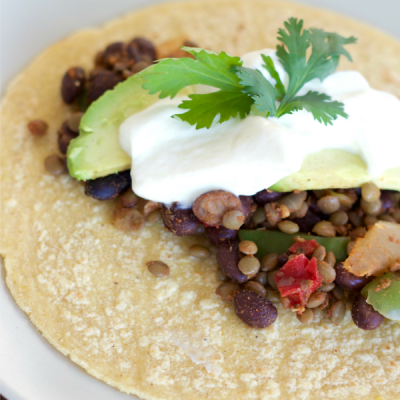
{"x": 298, "y": 279}
{"x": 306, "y": 247}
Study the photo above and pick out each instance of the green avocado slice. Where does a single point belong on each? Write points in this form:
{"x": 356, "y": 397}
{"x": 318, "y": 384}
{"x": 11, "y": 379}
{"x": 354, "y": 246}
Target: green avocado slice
{"x": 96, "y": 151}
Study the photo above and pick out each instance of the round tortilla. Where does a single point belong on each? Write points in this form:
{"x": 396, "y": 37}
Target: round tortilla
{"x": 85, "y": 285}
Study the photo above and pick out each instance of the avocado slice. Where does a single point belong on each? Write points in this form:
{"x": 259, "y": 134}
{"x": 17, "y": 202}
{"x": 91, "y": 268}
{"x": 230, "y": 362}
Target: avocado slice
{"x": 334, "y": 168}
{"x": 96, "y": 152}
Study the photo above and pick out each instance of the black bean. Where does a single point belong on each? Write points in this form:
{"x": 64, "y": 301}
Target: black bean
{"x": 108, "y": 187}
{"x": 265, "y": 197}
{"x": 312, "y": 203}
{"x": 307, "y": 222}
{"x": 145, "y": 47}
{"x": 113, "y": 53}
{"x": 65, "y": 135}
{"x": 220, "y": 234}
{"x": 228, "y": 257}
{"x": 73, "y": 84}
{"x": 349, "y": 281}
{"x": 364, "y": 315}
{"x": 253, "y": 309}
{"x": 283, "y": 259}
{"x": 104, "y": 80}
{"x": 387, "y": 200}
{"x": 248, "y": 207}
{"x": 180, "y": 221}
{"x": 133, "y": 53}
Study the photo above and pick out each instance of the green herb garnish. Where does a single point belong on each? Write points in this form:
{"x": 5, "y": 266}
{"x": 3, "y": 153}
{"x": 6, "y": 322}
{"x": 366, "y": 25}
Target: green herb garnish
{"x": 241, "y": 88}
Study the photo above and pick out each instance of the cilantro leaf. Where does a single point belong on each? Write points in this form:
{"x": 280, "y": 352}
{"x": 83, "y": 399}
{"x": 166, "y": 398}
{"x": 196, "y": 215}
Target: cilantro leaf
{"x": 203, "y": 108}
{"x": 169, "y": 76}
{"x": 257, "y": 87}
{"x": 326, "y": 48}
{"x": 270, "y": 67}
{"x": 320, "y": 105}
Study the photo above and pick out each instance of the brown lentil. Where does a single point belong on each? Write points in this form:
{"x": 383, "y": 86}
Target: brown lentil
{"x": 249, "y": 265}
{"x": 259, "y": 216}
{"x": 319, "y": 253}
{"x": 350, "y": 246}
{"x": 272, "y": 296}
{"x": 55, "y": 165}
{"x": 128, "y": 219}
{"x": 324, "y": 228}
{"x": 74, "y": 120}
{"x": 154, "y": 216}
{"x": 222, "y": 276}
{"x": 330, "y": 258}
{"x": 256, "y": 287}
{"x": 328, "y": 204}
{"x": 293, "y": 201}
{"x": 261, "y": 278}
{"x": 372, "y": 208}
{"x": 301, "y": 212}
{"x": 339, "y": 218}
{"x": 38, "y": 127}
{"x": 316, "y": 299}
{"x": 198, "y": 251}
{"x": 370, "y": 192}
{"x": 338, "y": 293}
{"x": 233, "y": 219}
{"x": 288, "y": 227}
{"x": 226, "y": 290}
{"x": 355, "y": 218}
{"x": 285, "y": 302}
{"x": 248, "y": 247}
{"x": 271, "y": 280}
{"x": 306, "y": 317}
{"x": 317, "y": 312}
{"x": 337, "y": 311}
{"x": 158, "y": 268}
{"x": 327, "y": 272}
{"x": 269, "y": 262}
{"x": 358, "y": 233}
{"x": 129, "y": 199}
{"x": 140, "y": 66}
{"x": 370, "y": 220}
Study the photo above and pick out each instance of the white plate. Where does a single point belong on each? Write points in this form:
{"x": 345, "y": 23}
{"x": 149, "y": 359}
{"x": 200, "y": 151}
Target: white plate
{"x": 31, "y": 369}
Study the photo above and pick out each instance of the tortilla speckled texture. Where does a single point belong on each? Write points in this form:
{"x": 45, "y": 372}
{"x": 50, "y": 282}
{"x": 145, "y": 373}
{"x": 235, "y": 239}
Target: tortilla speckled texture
{"x": 85, "y": 284}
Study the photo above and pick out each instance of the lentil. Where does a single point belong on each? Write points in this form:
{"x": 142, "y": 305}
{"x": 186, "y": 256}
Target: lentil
{"x": 272, "y": 296}
{"x": 222, "y": 276}
{"x": 128, "y": 219}
{"x": 370, "y": 220}
{"x": 370, "y": 192}
{"x": 129, "y": 199}
{"x": 327, "y": 272}
{"x": 330, "y": 258}
{"x": 338, "y": 293}
{"x": 158, "y": 268}
{"x": 288, "y": 227}
{"x": 198, "y": 251}
{"x": 261, "y": 278}
{"x": 226, "y": 290}
{"x": 319, "y": 253}
{"x": 355, "y": 218}
{"x": 271, "y": 280}
{"x": 255, "y": 287}
{"x": 386, "y": 217}
{"x": 38, "y": 127}
{"x": 259, "y": 216}
{"x": 317, "y": 312}
{"x": 55, "y": 165}
{"x": 324, "y": 228}
{"x": 372, "y": 208}
{"x": 306, "y": 317}
{"x": 249, "y": 265}
{"x": 154, "y": 216}
{"x": 301, "y": 212}
{"x": 269, "y": 262}
{"x": 337, "y": 311}
{"x": 328, "y": 204}
{"x": 248, "y": 247}
{"x": 316, "y": 299}
{"x": 233, "y": 219}
{"x": 339, "y": 218}
{"x": 326, "y": 287}
{"x": 293, "y": 201}
{"x": 350, "y": 246}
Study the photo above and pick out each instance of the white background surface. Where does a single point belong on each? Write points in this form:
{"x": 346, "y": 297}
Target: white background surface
{"x": 30, "y": 369}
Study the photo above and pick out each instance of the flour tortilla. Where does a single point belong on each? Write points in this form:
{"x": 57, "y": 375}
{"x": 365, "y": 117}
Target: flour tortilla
{"x": 85, "y": 285}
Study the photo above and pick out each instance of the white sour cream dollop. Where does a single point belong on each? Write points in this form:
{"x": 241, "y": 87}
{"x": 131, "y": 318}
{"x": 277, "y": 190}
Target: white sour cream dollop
{"x": 174, "y": 162}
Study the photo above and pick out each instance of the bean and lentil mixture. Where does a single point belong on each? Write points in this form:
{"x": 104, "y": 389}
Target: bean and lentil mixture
{"x": 305, "y": 278}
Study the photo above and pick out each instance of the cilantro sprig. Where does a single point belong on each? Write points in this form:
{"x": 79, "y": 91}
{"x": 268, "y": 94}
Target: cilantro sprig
{"x": 241, "y": 88}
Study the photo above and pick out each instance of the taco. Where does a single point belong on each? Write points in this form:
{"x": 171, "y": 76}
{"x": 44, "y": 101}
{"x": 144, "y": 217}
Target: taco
{"x": 86, "y": 285}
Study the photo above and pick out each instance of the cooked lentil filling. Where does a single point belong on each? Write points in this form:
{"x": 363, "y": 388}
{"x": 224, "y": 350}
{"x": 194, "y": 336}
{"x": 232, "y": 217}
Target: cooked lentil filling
{"x": 305, "y": 274}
